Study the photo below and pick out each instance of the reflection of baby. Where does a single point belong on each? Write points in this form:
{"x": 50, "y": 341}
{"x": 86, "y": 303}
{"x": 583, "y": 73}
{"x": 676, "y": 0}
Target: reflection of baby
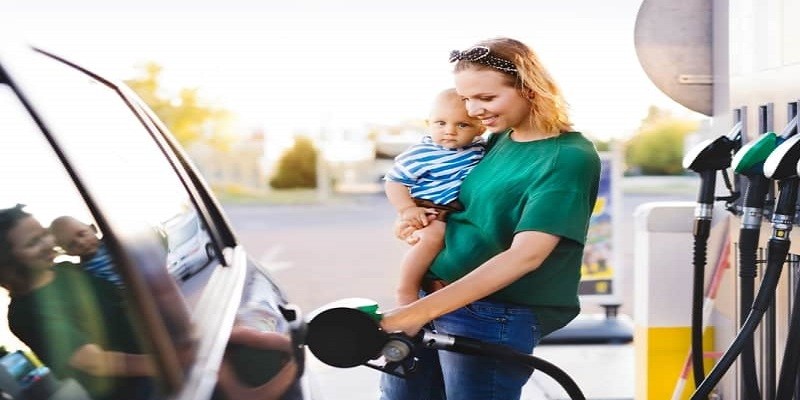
{"x": 80, "y": 239}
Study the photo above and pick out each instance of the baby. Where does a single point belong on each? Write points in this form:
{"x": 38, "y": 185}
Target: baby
{"x": 79, "y": 239}
{"x": 426, "y": 178}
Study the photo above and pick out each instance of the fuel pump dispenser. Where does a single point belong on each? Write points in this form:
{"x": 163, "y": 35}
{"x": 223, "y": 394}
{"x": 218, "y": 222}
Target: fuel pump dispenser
{"x": 780, "y": 165}
{"x": 749, "y": 163}
{"x": 706, "y": 158}
{"x": 347, "y": 333}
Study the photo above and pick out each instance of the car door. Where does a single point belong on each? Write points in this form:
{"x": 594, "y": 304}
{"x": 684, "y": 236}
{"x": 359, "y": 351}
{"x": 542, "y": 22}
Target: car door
{"x": 76, "y": 144}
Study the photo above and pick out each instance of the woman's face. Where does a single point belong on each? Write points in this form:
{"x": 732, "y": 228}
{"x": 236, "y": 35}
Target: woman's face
{"x": 32, "y": 244}
{"x": 490, "y": 98}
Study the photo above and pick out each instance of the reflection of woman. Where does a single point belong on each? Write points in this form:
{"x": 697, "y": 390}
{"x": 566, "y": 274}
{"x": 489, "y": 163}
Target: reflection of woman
{"x": 75, "y": 323}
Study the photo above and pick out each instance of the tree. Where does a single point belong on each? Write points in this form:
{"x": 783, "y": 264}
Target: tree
{"x": 185, "y": 115}
{"x": 602, "y": 145}
{"x": 297, "y": 167}
{"x": 657, "y": 148}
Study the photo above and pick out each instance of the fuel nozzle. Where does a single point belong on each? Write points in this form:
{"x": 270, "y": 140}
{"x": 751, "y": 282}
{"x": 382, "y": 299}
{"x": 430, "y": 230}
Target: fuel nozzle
{"x": 708, "y": 157}
{"x": 347, "y": 333}
{"x": 714, "y": 154}
{"x": 782, "y": 162}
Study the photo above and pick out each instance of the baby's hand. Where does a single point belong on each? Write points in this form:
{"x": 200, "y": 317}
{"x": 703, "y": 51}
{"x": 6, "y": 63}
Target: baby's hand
{"x": 416, "y": 216}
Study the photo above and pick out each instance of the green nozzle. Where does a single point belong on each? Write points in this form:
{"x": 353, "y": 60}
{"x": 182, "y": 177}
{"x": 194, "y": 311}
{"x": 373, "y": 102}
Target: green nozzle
{"x": 750, "y": 158}
{"x": 371, "y": 310}
{"x": 367, "y": 306}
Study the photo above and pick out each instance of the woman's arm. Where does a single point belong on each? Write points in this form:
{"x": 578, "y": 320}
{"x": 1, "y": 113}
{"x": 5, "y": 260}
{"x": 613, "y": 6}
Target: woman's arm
{"x": 527, "y": 252}
{"x": 93, "y": 360}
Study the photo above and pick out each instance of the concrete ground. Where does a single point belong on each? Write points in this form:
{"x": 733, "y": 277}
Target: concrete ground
{"x": 603, "y": 372}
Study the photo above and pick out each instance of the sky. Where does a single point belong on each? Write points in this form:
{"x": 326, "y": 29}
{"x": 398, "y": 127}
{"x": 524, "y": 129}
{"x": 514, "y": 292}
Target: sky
{"x": 310, "y": 66}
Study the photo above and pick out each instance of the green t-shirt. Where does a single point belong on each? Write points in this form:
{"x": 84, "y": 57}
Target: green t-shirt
{"x": 75, "y": 309}
{"x": 547, "y": 185}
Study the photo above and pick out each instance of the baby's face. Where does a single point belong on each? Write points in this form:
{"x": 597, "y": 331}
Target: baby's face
{"x": 77, "y": 239}
{"x": 450, "y": 126}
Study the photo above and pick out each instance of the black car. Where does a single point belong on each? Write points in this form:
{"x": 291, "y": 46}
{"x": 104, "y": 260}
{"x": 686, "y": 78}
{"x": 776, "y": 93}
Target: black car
{"x": 213, "y": 323}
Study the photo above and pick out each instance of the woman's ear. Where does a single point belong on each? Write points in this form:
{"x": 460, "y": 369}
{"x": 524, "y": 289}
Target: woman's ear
{"x": 529, "y": 94}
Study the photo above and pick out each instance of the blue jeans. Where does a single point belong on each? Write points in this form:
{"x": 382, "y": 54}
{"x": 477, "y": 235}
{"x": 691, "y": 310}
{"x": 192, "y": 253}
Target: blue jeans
{"x": 444, "y": 374}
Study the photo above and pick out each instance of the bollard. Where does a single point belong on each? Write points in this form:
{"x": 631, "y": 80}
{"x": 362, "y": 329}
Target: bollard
{"x": 663, "y": 294}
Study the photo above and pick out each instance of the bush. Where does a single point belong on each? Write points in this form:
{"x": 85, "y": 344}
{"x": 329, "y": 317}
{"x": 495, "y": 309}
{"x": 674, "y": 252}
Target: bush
{"x": 658, "y": 149}
{"x": 297, "y": 168}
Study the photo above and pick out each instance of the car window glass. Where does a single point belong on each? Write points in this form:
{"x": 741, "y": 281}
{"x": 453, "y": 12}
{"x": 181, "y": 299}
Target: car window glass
{"x": 124, "y": 168}
{"x": 62, "y": 319}
{"x": 144, "y": 207}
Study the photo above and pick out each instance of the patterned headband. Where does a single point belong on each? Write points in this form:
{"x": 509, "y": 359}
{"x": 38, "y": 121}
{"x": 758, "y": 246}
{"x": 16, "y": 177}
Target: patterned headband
{"x": 482, "y": 55}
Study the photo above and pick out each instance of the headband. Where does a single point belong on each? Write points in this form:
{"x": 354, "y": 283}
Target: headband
{"x": 482, "y": 55}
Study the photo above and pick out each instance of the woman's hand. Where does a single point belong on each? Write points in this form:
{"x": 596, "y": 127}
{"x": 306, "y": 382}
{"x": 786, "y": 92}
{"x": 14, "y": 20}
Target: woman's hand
{"x": 402, "y": 319}
{"x": 92, "y": 359}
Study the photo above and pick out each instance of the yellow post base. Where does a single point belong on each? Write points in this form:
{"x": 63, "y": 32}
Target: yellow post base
{"x": 660, "y": 354}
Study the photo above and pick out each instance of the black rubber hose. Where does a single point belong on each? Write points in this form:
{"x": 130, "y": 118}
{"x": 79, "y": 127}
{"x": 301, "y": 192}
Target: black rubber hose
{"x": 791, "y": 355}
{"x": 768, "y": 359}
{"x": 748, "y": 247}
{"x": 701, "y": 232}
{"x": 702, "y": 228}
{"x": 753, "y": 207}
{"x": 777, "y": 250}
{"x": 466, "y": 345}
{"x": 776, "y": 255}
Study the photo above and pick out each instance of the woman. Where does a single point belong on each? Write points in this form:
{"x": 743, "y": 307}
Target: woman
{"x": 510, "y": 268}
{"x": 75, "y": 323}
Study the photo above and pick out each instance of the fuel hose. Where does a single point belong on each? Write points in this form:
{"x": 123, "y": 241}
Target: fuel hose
{"x": 782, "y": 166}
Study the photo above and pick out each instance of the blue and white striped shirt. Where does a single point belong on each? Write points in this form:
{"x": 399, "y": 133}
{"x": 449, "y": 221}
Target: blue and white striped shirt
{"x": 102, "y": 266}
{"x": 433, "y": 172}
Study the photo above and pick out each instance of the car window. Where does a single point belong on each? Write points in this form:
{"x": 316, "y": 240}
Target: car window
{"x": 65, "y": 309}
{"x": 122, "y": 166}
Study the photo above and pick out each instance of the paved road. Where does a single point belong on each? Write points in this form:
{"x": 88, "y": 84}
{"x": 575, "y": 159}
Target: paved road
{"x": 324, "y": 252}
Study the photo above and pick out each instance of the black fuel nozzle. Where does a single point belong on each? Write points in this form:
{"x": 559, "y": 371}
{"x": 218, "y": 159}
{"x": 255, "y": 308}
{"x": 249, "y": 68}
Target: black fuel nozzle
{"x": 347, "y": 333}
{"x": 714, "y": 154}
{"x": 782, "y": 162}
{"x": 708, "y": 157}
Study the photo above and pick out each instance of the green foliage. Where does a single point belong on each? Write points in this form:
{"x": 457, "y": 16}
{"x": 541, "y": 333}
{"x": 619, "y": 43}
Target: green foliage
{"x": 602, "y": 145}
{"x": 297, "y": 167}
{"x": 185, "y": 115}
{"x": 657, "y": 149}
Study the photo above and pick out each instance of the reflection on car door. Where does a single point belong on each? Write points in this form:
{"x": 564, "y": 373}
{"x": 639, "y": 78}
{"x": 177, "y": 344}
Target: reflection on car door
{"x": 188, "y": 244}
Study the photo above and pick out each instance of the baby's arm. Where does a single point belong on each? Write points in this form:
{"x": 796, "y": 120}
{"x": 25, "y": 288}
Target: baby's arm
{"x": 400, "y": 197}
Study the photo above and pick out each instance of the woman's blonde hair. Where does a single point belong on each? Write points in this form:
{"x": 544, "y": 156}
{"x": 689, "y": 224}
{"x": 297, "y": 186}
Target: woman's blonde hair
{"x": 531, "y": 79}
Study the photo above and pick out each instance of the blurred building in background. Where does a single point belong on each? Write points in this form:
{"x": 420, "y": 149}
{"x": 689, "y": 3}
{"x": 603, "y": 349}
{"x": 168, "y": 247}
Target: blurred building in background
{"x": 239, "y": 166}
